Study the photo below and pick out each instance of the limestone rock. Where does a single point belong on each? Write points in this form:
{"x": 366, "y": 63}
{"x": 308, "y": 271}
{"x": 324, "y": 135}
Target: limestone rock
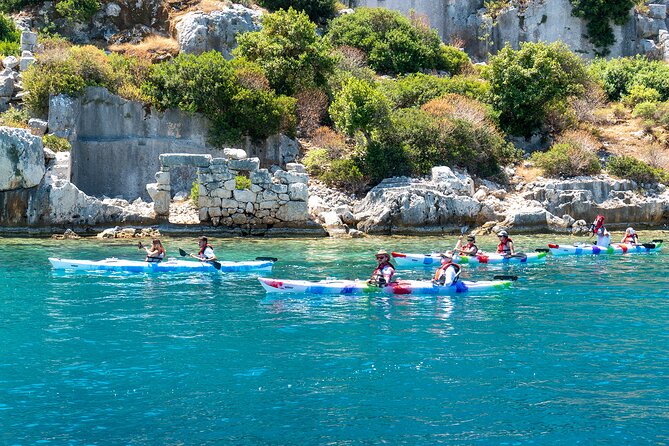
{"x": 21, "y": 159}
{"x": 293, "y": 211}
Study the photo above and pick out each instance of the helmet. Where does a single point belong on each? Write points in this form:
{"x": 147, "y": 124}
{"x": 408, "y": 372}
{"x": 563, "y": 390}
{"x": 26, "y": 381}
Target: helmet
{"x": 447, "y": 255}
{"x": 502, "y": 233}
{"x": 630, "y": 231}
{"x": 471, "y": 238}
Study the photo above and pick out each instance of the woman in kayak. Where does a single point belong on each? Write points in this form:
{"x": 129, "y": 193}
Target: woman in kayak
{"x": 630, "y": 237}
{"x": 505, "y": 246}
{"x": 603, "y": 237}
{"x": 448, "y": 273}
{"x": 206, "y": 253}
{"x": 470, "y": 249}
{"x": 154, "y": 254}
{"x": 384, "y": 272}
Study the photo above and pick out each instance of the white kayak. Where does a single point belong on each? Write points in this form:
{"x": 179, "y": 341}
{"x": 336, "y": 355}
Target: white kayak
{"x": 613, "y": 248}
{"x": 171, "y": 265}
{"x": 361, "y": 287}
{"x": 434, "y": 259}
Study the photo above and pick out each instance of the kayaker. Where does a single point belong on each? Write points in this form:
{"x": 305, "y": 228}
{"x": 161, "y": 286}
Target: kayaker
{"x": 206, "y": 253}
{"x": 505, "y": 246}
{"x": 448, "y": 273}
{"x": 384, "y": 272}
{"x": 630, "y": 237}
{"x": 597, "y": 224}
{"x": 154, "y": 254}
{"x": 603, "y": 237}
{"x": 470, "y": 249}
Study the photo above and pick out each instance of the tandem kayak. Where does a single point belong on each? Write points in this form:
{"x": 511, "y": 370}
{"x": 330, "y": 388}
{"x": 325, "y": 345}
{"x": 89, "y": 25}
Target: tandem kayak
{"x": 172, "y": 265}
{"x": 361, "y": 287}
{"x": 434, "y": 259}
{"x": 614, "y": 248}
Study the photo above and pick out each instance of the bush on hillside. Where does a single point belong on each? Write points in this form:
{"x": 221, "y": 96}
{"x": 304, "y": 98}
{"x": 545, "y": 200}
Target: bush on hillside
{"x": 311, "y": 107}
{"x": 77, "y": 10}
{"x": 618, "y": 76}
{"x": 526, "y": 83}
{"x": 598, "y": 15}
{"x": 662, "y": 114}
{"x": 360, "y": 106}
{"x": 645, "y": 110}
{"x": 572, "y": 155}
{"x": 8, "y": 30}
{"x": 635, "y": 170}
{"x": 289, "y": 51}
{"x": 393, "y": 43}
{"x": 56, "y": 143}
{"x": 16, "y": 5}
{"x": 640, "y": 93}
{"x": 414, "y": 90}
{"x": 15, "y": 117}
{"x": 319, "y": 11}
{"x": 332, "y": 162}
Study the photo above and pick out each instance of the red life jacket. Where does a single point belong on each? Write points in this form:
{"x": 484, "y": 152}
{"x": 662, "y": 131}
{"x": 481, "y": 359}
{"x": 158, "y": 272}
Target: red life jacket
{"x": 442, "y": 270}
{"x": 599, "y": 223}
{"x": 633, "y": 238}
{"x": 205, "y": 247}
{"x": 378, "y": 274}
{"x": 469, "y": 246}
{"x": 503, "y": 247}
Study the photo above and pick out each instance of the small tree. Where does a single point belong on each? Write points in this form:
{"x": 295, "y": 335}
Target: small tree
{"x": 524, "y": 83}
{"x": 359, "y": 107}
{"x": 319, "y": 11}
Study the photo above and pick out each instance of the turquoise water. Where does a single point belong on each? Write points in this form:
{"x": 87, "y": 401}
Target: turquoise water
{"x": 576, "y": 353}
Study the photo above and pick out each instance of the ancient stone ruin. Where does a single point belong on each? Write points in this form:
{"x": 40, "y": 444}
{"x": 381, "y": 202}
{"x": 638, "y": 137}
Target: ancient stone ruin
{"x": 236, "y": 192}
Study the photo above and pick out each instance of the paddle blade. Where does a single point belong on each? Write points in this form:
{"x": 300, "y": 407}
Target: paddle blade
{"x": 648, "y": 245}
{"x": 267, "y": 259}
{"x": 216, "y": 264}
{"x": 182, "y": 253}
{"x": 657, "y": 241}
{"x": 542, "y": 250}
{"x": 505, "y": 278}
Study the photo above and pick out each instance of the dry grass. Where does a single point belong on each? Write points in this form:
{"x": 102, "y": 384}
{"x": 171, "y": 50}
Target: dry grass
{"x": 151, "y": 48}
{"x": 457, "y": 106}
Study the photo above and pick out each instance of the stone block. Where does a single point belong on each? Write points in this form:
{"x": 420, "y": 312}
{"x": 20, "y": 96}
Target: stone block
{"x": 279, "y": 188}
{"x": 26, "y": 62}
{"x": 214, "y": 212}
{"x": 269, "y": 195}
{"x": 298, "y": 192}
{"x": 161, "y": 202}
{"x": 208, "y": 202}
{"x": 291, "y": 177}
{"x": 28, "y": 40}
{"x": 184, "y": 159}
{"x": 293, "y": 211}
{"x": 284, "y": 197}
{"x": 228, "y": 203}
{"x": 6, "y": 86}
{"x": 230, "y": 184}
{"x": 296, "y": 167}
{"x": 221, "y": 193}
{"x": 249, "y": 208}
{"x": 260, "y": 176}
{"x": 255, "y": 188}
{"x": 268, "y": 204}
{"x": 204, "y": 214}
{"x": 163, "y": 177}
{"x": 10, "y": 62}
{"x": 657, "y": 11}
{"x": 239, "y": 219}
{"x": 244, "y": 195}
{"x": 38, "y": 125}
{"x": 248, "y": 164}
{"x": 21, "y": 159}
{"x": 235, "y": 154}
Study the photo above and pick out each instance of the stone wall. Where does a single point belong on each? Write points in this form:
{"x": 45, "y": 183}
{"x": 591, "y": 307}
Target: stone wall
{"x": 271, "y": 198}
{"x": 116, "y": 143}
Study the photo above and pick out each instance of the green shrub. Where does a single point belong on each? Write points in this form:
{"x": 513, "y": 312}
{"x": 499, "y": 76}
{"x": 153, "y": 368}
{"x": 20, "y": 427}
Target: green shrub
{"x": 635, "y": 170}
{"x": 598, "y": 15}
{"x": 662, "y": 114}
{"x": 414, "y": 90}
{"x": 345, "y": 174}
{"x": 15, "y": 117}
{"x": 289, "y": 51}
{"x": 16, "y": 5}
{"x": 242, "y": 182}
{"x": 195, "y": 193}
{"x": 645, "y": 110}
{"x": 77, "y": 10}
{"x": 56, "y": 143}
{"x": 8, "y": 30}
{"x": 10, "y": 48}
{"x": 526, "y": 83}
{"x": 567, "y": 160}
{"x": 452, "y": 60}
{"x": 319, "y": 11}
{"x": 359, "y": 107}
{"x": 392, "y": 43}
{"x": 51, "y": 77}
{"x": 618, "y": 76}
{"x": 640, "y": 93}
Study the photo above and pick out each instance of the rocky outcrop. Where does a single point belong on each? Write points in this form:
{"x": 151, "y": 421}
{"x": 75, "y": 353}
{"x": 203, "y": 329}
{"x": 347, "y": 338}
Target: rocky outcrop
{"x": 21, "y": 159}
{"x": 198, "y": 32}
{"x": 468, "y": 21}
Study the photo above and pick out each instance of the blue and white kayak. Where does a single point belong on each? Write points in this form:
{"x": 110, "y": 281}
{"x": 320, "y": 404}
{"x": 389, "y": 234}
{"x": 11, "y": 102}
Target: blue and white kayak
{"x": 434, "y": 259}
{"x": 613, "y": 248}
{"x": 361, "y": 287}
{"x": 171, "y": 265}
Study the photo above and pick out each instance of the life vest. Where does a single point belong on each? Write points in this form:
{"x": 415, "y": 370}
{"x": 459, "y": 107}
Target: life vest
{"x": 204, "y": 248}
{"x": 633, "y": 238}
{"x": 158, "y": 258}
{"x": 377, "y": 275}
{"x": 503, "y": 247}
{"x": 441, "y": 272}
{"x": 468, "y": 247}
{"x": 598, "y": 223}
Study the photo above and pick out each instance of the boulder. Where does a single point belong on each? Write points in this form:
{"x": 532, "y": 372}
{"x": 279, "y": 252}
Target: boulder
{"x": 21, "y": 159}
{"x": 10, "y": 62}
{"x": 235, "y": 154}
{"x": 293, "y": 211}
{"x": 39, "y": 126}
{"x": 449, "y": 181}
{"x": 6, "y": 86}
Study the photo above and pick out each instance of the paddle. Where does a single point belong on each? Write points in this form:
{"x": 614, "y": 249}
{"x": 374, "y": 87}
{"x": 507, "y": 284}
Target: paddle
{"x": 457, "y": 251}
{"x": 514, "y": 278}
{"x": 267, "y": 259}
{"x": 216, "y": 264}
{"x": 139, "y": 245}
{"x": 518, "y": 255}
{"x": 541, "y": 250}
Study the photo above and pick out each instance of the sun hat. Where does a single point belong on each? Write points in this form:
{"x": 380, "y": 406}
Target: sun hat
{"x": 502, "y": 233}
{"x": 446, "y": 255}
{"x": 383, "y": 253}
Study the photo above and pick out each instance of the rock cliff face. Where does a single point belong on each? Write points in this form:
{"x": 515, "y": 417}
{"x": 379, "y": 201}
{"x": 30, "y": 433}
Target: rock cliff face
{"x": 539, "y": 20}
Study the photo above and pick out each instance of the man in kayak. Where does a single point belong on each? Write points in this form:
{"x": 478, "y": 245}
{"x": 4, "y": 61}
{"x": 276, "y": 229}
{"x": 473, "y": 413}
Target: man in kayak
{"x": 206, "y": 253}
{"x": 448, "y": 273}
{"x": 154, "y": 254}
{"x": 603, "y": 237}
{"x": 630, "y": 237}
{"x": 505, "y": 246}
{"x": 384, "y": 272}
{"x": 470, "y": 249}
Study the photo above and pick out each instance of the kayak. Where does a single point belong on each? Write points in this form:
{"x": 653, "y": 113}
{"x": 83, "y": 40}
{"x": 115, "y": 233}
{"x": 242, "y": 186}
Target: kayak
{"x": 614, "y": 248}
{"x": 434, "y": 259}
{"x": 171, "y": 265}
{"x": 361, "y": 287}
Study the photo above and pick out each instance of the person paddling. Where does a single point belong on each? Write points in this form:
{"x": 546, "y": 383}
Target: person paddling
{"x": 470, "y": 249}
{"x": 603, "y": 237}
{"x": 505, "y": 246}
{"x": 630, "y": 237}
{"x": 384, "y": 272}
{"x": 154, "y": 254}
{"x": 206, "y": 253}
{"x": 448, "y": 273}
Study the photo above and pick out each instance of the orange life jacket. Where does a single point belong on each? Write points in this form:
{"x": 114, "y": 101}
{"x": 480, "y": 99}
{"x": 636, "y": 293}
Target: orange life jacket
{"x": 503, "y": 247}
{"x": 442, "y": 270}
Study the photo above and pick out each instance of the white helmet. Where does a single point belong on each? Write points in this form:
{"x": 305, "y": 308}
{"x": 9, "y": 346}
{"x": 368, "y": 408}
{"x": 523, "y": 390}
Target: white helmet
{"x": 630, "y": 231}
{"x": 503, "y": 233}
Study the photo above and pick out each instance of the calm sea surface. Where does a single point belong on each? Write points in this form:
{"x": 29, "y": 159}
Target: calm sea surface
{"x": 576, "y": 353}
